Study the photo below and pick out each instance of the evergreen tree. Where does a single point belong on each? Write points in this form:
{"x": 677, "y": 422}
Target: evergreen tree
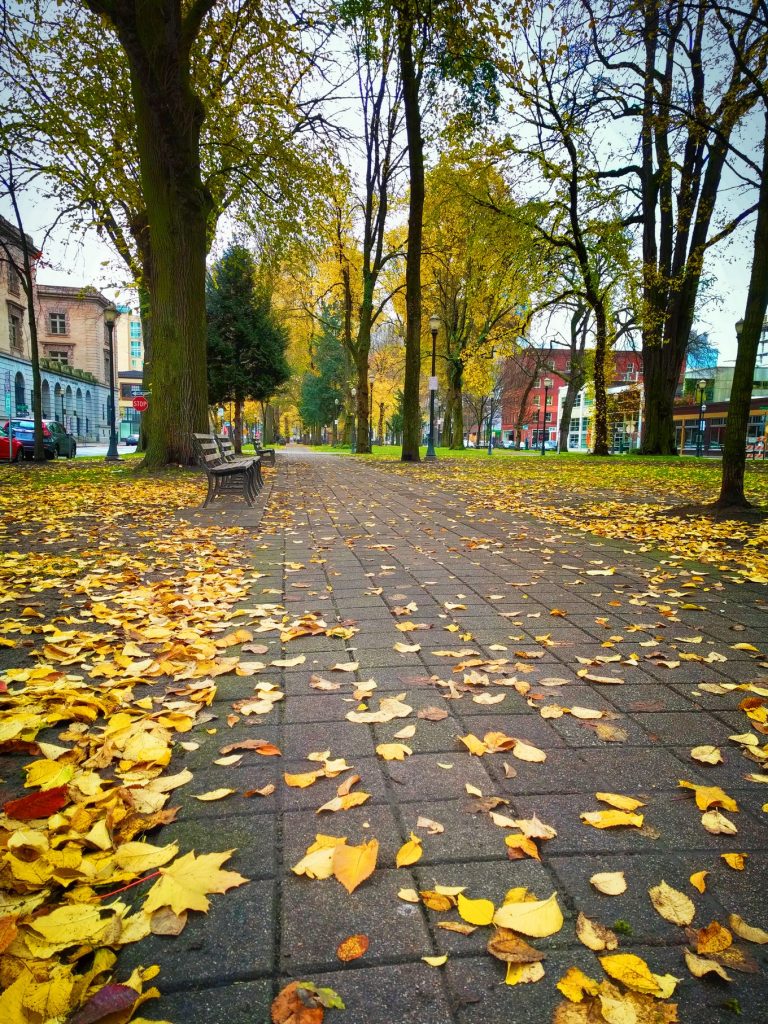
{"x": 246, "y": 342}
{"x": 322, "y": 391}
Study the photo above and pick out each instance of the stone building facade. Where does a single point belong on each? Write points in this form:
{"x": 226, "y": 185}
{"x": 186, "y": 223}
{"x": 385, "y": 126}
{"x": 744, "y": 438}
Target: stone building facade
{"x": 72, "y": 347}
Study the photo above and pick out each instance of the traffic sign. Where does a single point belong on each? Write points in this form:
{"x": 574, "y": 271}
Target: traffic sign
{"x": 140, "y": 404}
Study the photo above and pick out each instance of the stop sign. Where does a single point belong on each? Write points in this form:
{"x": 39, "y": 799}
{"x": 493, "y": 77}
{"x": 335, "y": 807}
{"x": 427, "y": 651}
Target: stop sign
{"x": 140, "y": 404}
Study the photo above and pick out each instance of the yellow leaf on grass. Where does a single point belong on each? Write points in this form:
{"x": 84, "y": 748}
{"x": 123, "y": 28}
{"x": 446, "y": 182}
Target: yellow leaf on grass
{"x": 622, "y": 803}
{"x": 473, "y": 744}
{"x": 409, "y": 852}
{"x": 187, "y": 882}
{"x": 631, "y": 971}
{"x": 612, "y": 883}
{"x": 537, "y": 918}
{"x": 611, "y": 819}
{"x": 435, "y": 961}
{"x": 479, "y": 912}
{"x": 746, "y": 931}
{"x": 575, "y": 985}
{"x": 672, "y": 905}
{"x": 353, "y": 864}
{"x": 393, "y": 751}
{"x": 344, "y": 803}
{"x": 699, "y": 880}
{"x": 735, "y": 860}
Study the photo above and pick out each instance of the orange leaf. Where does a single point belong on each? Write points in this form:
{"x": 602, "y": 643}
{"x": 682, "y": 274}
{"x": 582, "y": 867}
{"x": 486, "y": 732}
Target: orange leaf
{"x": 353, "y": 864}
{"x": 352, "y": 948}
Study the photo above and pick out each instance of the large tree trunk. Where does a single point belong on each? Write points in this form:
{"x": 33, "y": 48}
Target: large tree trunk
{"x": 734, "y": 450}
{"x": 661, "y": 373}
{"x": 157, "y": 36}
{"x": 411, "y": 404}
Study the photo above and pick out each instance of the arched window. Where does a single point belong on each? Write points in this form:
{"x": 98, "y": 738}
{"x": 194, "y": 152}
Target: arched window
{"x": 46, "y": 398}
{"x": 21, "y": 405}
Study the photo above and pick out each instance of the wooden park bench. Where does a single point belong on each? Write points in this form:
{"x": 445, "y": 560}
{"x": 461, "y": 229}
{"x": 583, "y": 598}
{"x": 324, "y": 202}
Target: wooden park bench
{"x": 231, "y": 457}
{"x": 756, "y": 449}
{"x": 267, "y": 455}
{"x": 224, "y": 477}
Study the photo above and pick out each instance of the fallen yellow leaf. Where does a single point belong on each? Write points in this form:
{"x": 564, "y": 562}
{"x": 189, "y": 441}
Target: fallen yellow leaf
{"x": 409, "y": 852}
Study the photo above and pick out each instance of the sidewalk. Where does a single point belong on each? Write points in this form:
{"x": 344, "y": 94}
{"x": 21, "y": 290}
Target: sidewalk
{"x": 354, "y": 543}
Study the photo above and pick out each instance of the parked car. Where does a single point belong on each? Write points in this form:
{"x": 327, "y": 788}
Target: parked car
{"x": 66, "y": 445}
{"x": 131, "y": 440}
{"x": 17, "y": 448}
{"x": 24, "y": 431}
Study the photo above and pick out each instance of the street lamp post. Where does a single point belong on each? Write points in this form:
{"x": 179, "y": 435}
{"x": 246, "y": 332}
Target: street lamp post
{"x": 353, "y": 439}
{"x": 701, "y": 387}
{"x": 547, "y": 386}
{"x": 434, "y": 327}
{"x": 110, "y": 316}
{"x": 336, "y": 422}
{"x": 370, "y": 412}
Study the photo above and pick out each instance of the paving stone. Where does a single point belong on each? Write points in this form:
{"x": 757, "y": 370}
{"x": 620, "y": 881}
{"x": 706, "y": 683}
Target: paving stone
{"x": 242, "y": 1002}
{"x": 396, "y": 930}
{"x": 421, "y": 778}
{"x": 403, "y": 993}
{"x": 233, "y": 941}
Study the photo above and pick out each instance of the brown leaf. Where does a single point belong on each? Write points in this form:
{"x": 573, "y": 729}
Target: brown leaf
{"x": 432, "y": 714}
{"x": 595, "y": 935}
{"x": 507, "y": 946}
{"x": 262, "y": 747}
{"x": 289, "y": 1008}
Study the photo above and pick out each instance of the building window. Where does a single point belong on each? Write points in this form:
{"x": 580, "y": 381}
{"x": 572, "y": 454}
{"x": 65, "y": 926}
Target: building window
{"x": 135, "y": 349}
{"x": 107, "y": 367}
{"x": 547, "y": 417}
{"x": 630, "y": 367}
{"x": 550, "y": 398}
{"x": 57, "y": 323}
{"x": 61, "y": 355}
{"x": 14, "y": 330}
{"x": 14, "y": 281}
{"x": 135, "y": 329}
{"x": 537, "y": 400}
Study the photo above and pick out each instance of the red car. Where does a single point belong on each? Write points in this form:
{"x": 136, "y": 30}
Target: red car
{"x": 17, "y": 448}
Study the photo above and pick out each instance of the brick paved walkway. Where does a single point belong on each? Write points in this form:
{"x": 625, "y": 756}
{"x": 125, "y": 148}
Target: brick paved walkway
{"x": 368, "y": 540}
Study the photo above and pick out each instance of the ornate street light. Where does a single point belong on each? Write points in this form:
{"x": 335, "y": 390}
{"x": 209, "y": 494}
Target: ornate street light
{"x": 547, "y": 386}
{"x": 353, "y": 445}
{"x": 701, "y": 387}
{"x": 110, "y": 317}
{"x": 370, "y": 411}
{"x": 434, "y": 327}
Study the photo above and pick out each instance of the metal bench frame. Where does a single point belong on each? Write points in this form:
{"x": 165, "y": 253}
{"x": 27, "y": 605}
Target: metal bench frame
{"x": 223, "y": 477}
{"x": 252, "y": 464}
